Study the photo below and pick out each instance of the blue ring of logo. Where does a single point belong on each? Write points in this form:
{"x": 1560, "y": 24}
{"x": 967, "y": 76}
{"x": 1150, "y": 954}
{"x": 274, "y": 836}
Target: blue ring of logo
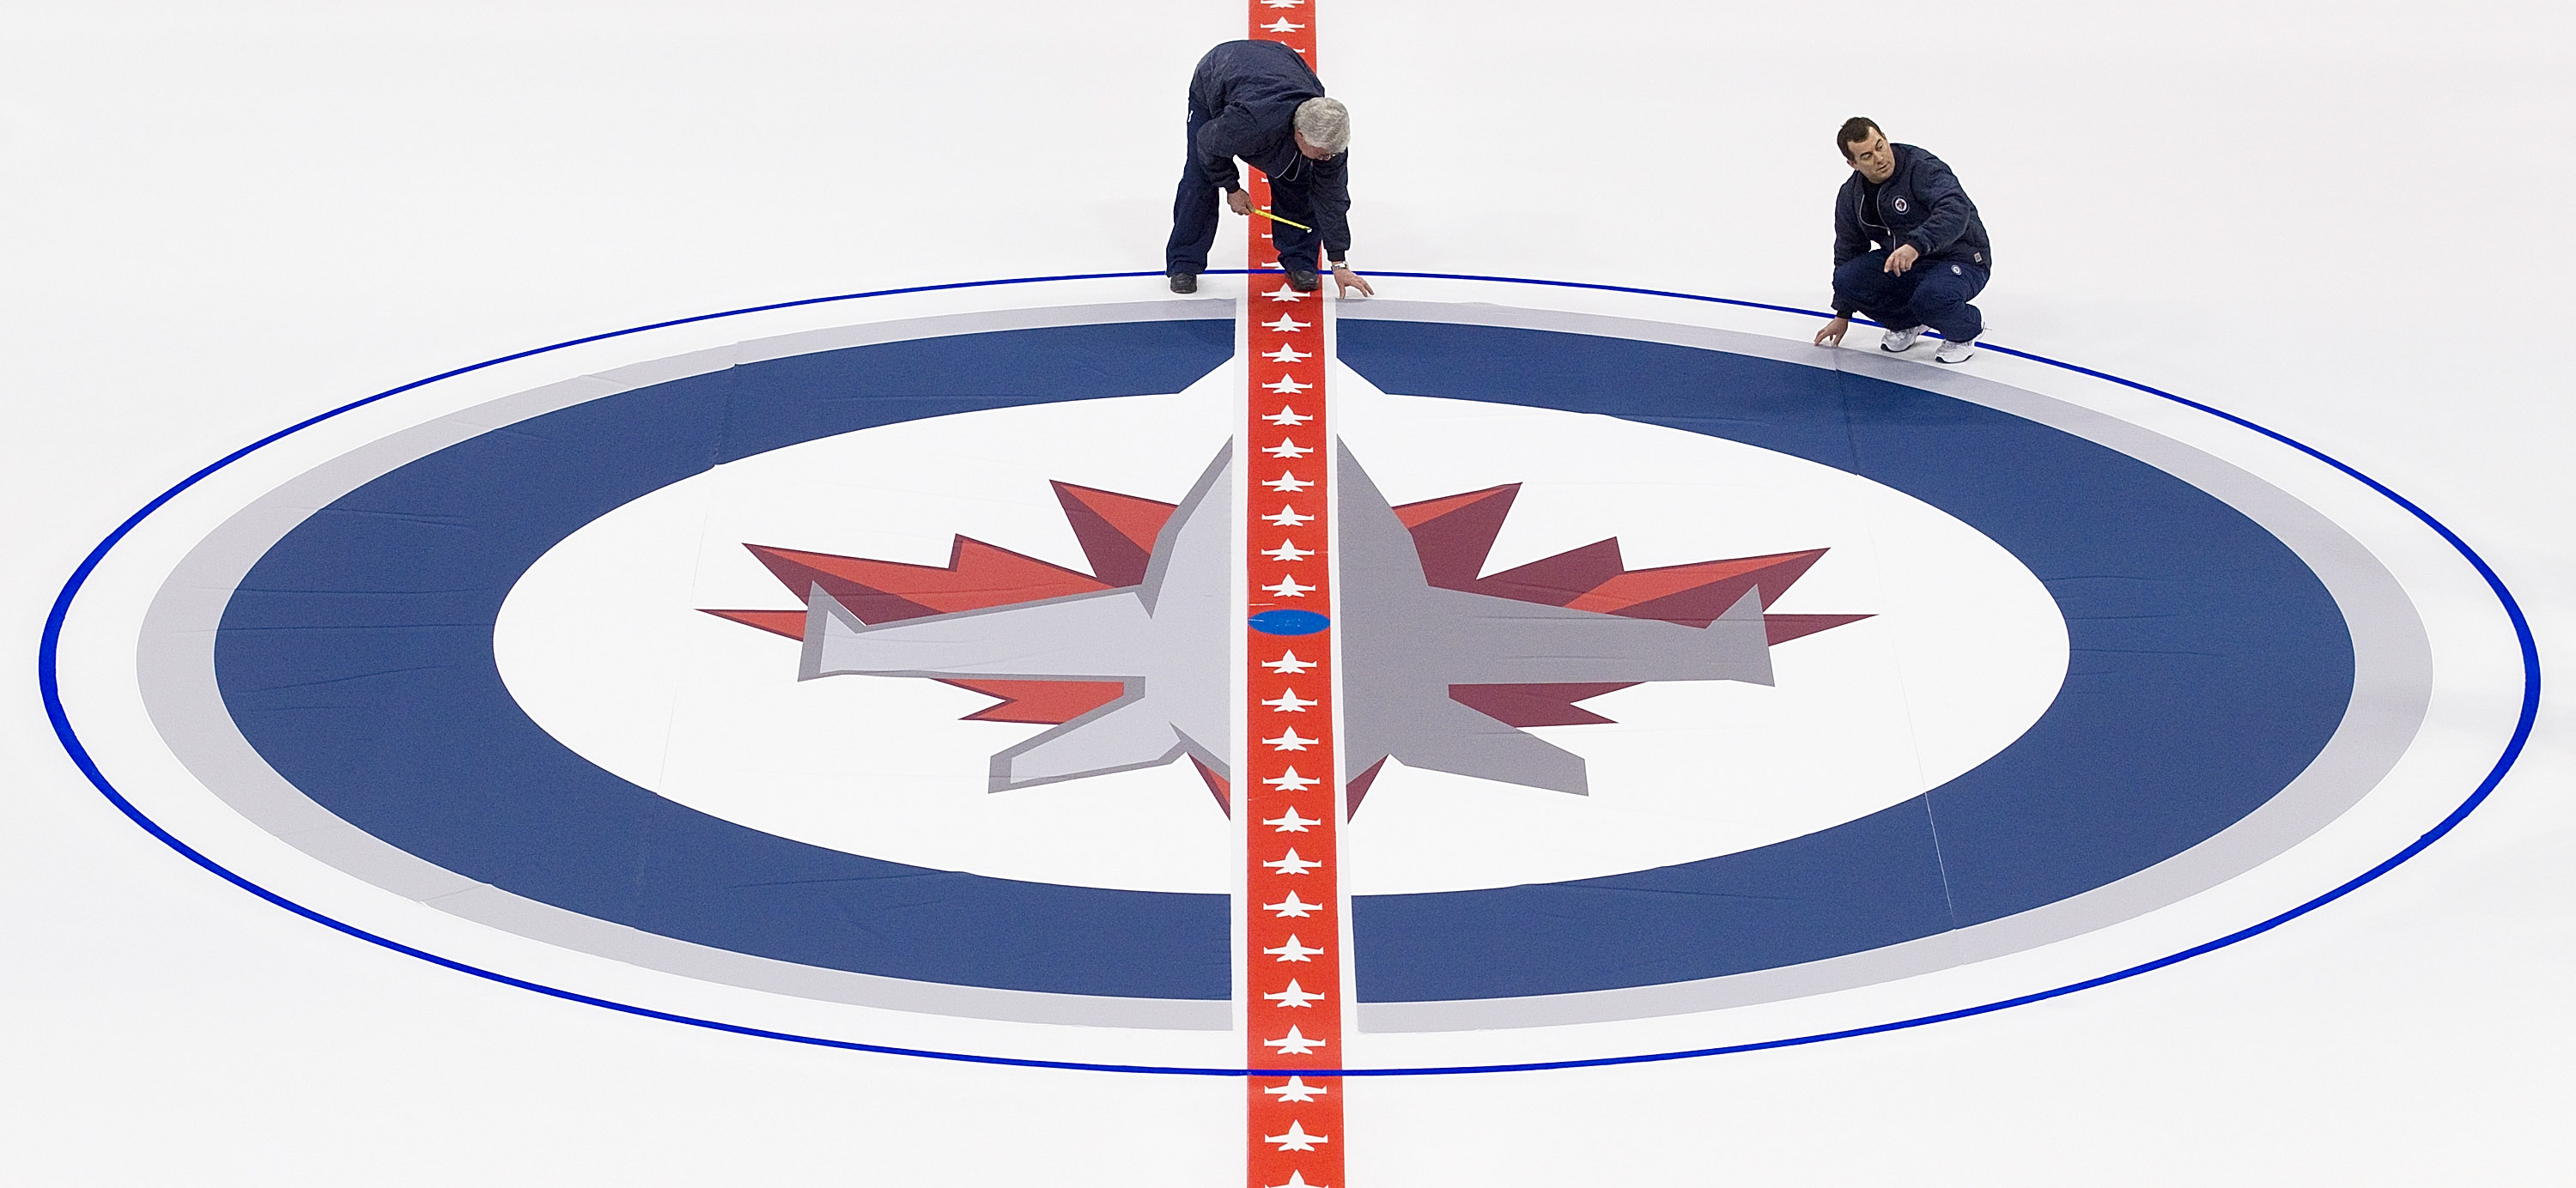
{"x": 2209, "y": 667}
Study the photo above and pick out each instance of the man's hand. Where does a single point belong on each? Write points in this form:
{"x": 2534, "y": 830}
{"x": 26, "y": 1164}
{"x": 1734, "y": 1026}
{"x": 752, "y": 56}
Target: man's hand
{"x": 1832, "y": 334}
{"x": 1349, "y": 280}
{"x": 1900, "y": 260}
{"x": 1239, "y": 201}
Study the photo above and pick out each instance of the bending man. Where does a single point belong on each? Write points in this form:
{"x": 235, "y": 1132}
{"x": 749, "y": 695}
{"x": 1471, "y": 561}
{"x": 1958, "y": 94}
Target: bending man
{"x": 1258, "y": 100}
{"x": 1930, "y": 255}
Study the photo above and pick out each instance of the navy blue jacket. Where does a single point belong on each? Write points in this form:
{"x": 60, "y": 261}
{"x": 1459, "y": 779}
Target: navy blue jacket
{"x": 1921, "y": 204}
{"x": 1247, "y": 93}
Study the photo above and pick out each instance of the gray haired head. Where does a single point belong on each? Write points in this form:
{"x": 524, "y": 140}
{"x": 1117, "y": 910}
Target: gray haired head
{"x": 1325, "y": 123}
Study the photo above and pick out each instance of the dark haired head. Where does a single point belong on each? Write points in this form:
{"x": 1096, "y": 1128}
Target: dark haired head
{"x": 1854, "y": 131}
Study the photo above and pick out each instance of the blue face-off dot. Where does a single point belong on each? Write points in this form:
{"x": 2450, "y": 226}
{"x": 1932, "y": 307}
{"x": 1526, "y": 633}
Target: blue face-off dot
{"x": 1289, "y": 622}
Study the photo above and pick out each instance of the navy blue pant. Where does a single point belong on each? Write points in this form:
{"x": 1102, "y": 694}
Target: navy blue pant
{"x": 1933, "y": 293}
{"x": 1195, "y": 214}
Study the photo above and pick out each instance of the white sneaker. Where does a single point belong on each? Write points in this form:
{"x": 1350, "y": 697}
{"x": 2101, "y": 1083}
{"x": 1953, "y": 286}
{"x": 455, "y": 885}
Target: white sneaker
{"x": 1895, "y": 341}
{"x": 1957, "y": 352}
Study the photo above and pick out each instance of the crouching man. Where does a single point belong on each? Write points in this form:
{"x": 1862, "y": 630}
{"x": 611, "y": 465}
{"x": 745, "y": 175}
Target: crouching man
{"x": 1258, "y": 101}
{"x": 1909, "y": 249}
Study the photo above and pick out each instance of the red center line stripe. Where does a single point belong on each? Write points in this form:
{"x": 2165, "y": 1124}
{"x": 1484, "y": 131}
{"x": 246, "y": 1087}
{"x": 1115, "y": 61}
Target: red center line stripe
{"x": 1291, "y": 791}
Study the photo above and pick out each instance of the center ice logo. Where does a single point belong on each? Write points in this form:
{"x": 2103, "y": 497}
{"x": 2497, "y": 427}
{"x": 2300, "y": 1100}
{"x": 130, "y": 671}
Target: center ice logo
{"x": 2102, "y": 674}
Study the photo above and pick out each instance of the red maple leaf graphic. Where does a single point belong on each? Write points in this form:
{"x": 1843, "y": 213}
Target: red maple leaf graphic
{"x": 1453, "y": 536}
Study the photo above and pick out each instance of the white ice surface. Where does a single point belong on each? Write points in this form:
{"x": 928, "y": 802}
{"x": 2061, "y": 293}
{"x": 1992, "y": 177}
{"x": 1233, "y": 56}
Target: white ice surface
{"x": 222, "y": 218}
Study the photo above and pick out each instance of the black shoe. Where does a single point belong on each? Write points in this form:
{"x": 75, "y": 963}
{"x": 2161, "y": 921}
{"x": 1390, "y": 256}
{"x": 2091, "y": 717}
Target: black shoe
{"x": 1183, "y": 281}
{"x": 1304, "y": 280}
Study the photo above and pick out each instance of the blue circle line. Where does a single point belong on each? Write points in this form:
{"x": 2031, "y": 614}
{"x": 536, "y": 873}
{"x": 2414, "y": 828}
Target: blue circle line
{"x": 49, "y": 683}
